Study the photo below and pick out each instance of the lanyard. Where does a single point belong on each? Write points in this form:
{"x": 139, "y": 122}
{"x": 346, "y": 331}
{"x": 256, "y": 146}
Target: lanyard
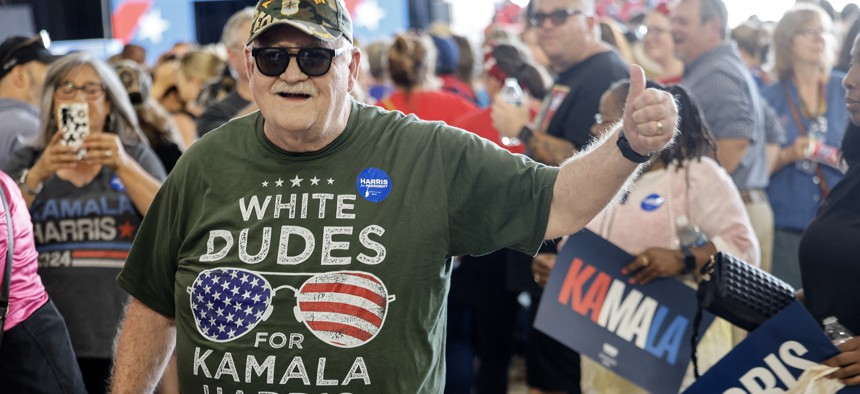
{"x": 822, "y": 182}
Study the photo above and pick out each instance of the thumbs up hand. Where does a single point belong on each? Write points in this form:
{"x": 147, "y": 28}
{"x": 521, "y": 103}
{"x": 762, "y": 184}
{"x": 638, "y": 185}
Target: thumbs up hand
{"x": 650, "y": 115}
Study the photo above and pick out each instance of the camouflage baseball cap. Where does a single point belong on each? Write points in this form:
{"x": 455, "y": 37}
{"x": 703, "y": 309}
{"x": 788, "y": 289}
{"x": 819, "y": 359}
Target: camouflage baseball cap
{"x": 324, "y": 19}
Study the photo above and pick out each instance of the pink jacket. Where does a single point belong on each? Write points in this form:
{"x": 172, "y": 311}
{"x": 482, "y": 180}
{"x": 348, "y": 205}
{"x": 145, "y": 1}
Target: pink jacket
{"x": 647, "y": 217}
{"x": 27, "y": 294}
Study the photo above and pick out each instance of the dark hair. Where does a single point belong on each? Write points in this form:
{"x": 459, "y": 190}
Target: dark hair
{"x": 516, "y": 64}
{"x": 844, "y": 60}
{"x": 851, "y": 145}
{"x": 694, "y": 140}
{"x": 466, "y": 62}
{"x": 408, "y": 59}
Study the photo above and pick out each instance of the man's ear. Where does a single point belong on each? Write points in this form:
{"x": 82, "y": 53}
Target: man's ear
{"x": 249, "y": 62}
{"x": 20, "y": 77}
{"x": 714, "y": 28}
{"x": 354, "y": 67}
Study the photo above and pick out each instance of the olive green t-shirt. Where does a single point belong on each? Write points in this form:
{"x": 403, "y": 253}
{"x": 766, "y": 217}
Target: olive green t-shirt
{"x": 327, "y": 272}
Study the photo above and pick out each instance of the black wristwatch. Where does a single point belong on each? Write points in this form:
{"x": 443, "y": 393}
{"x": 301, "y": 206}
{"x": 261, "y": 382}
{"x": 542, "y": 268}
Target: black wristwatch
{"x": 525, "y": 134}
{"x": 628, "y": 152}
{"x": 689, "y": 260}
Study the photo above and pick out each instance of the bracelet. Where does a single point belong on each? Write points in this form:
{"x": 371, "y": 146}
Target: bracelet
{"x": 22, "y": 184}
{"x": 525, "y": 134}
{"x": 628, "y": 152}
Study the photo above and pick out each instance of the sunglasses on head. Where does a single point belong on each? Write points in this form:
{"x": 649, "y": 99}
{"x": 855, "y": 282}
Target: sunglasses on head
{"x": 556, "y": 17}
{"x": 314, "y": 62}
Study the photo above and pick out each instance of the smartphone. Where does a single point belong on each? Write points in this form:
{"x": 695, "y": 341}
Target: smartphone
{"x": 74, "y": 123}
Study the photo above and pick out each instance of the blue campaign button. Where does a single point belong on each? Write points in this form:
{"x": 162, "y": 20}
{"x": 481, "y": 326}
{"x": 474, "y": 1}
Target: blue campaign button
{"x": 116, "y": 184}
{"x": 652, "y": 202}
{"x": 373, "y": 184}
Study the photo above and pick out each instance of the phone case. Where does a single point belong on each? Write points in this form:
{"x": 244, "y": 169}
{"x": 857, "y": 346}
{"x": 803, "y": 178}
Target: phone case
{"x": 74, "y": 123}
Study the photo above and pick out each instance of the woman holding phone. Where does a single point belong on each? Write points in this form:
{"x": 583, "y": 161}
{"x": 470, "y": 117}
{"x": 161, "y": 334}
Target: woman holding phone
{"x": 86, "y": 201}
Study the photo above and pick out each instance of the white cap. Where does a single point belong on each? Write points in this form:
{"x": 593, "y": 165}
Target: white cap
{"x": 830, "y": 320}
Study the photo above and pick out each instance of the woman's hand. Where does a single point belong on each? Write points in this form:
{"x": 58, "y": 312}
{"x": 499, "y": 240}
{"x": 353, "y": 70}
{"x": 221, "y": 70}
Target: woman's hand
{"x": 541, "y": 266}
{"x": 55, "y": 157}
{"x": 654, "y": 263}
{"x": 508, "y": 118}
{"x": 105, "y": 149}
{"x": 795, "y": 151}
{"x": 848, "y": 362}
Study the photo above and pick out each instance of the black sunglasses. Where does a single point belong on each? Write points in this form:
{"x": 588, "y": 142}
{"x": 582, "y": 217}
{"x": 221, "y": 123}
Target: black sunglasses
{"x": 557, "y": 17}
{"x": 314, "y": 62}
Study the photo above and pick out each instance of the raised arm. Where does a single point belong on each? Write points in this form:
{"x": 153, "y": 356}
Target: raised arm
{"x": 144, "y": 345}
{"x": 588, "y": 181}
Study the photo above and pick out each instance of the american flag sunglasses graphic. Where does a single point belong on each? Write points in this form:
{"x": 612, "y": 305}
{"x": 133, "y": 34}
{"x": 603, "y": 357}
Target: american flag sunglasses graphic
{"x": 342, "y": 308}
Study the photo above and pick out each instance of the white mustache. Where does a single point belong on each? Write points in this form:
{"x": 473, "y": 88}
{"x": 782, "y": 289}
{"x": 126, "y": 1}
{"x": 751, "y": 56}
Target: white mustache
{"x": 302, "y": 88}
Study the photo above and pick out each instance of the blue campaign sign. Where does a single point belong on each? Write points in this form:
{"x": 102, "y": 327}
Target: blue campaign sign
{"x": 772, "y": 357}
{"x": 640, "y": 332}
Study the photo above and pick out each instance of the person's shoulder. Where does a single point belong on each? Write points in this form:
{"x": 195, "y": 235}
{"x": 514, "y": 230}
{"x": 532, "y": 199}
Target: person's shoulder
{"x": 377, "y": 122}
{"x": 707, "y": 168}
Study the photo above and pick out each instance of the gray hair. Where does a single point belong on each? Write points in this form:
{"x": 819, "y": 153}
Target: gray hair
{"x": 231, "y": 35}
{"x": 123, "y": 119}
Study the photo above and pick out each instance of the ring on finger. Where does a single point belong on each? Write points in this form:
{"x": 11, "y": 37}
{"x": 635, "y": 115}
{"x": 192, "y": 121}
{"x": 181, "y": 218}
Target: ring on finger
{"x": 537, "y": 278}
{"x": 659, "y": 127}
{"x": 645, "y": 261}
{"x": 108, "y": 153}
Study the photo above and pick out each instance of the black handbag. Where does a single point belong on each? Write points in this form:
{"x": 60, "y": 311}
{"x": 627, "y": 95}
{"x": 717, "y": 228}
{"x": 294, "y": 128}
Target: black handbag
{"x": 7, "y": 267}
{"x": 741, "y": 294}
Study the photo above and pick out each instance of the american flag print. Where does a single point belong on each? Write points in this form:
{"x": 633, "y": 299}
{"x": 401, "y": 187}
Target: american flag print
{"x": 229, "y": 302}
{"x": 345, "y": 309}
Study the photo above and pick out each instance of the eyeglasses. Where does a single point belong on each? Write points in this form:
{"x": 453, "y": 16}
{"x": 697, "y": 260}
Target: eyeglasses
{"x": 344, "y": 309}
{"x": 557, "y": 17}
{"x": 654, "y": 31}
{"x": 598, "y": 120}
{"x": 68, "y": 90}
{"x": 810, "y": 32}
{"x": 314, "y": 62}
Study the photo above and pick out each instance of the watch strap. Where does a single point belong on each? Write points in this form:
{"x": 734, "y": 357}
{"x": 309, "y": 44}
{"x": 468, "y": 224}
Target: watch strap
{"x": 689, "y": 261}
{"x": 628, "y": 152}
{"x": 525, "y": 133}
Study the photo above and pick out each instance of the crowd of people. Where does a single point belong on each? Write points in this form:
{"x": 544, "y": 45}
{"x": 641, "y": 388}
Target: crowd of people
{"x": 404, "y": 191}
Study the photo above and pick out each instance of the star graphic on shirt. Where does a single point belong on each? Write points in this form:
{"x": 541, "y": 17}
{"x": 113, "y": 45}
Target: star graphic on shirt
{"x": 265, "y": 183}
{"x": 331, "y": 181}
{"x": 279, "y": 182}
{"x": 296, "y": 181}
{"x": 126, "y": 230}
{"x": 315, "y": 181}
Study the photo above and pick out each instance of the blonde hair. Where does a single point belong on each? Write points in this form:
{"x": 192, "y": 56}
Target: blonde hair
{"x": 201, "y": 65}
{"x": 789, "y": 27}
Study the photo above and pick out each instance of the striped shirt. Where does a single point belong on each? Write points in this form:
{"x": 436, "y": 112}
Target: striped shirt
{"x": 733, "y": 108}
